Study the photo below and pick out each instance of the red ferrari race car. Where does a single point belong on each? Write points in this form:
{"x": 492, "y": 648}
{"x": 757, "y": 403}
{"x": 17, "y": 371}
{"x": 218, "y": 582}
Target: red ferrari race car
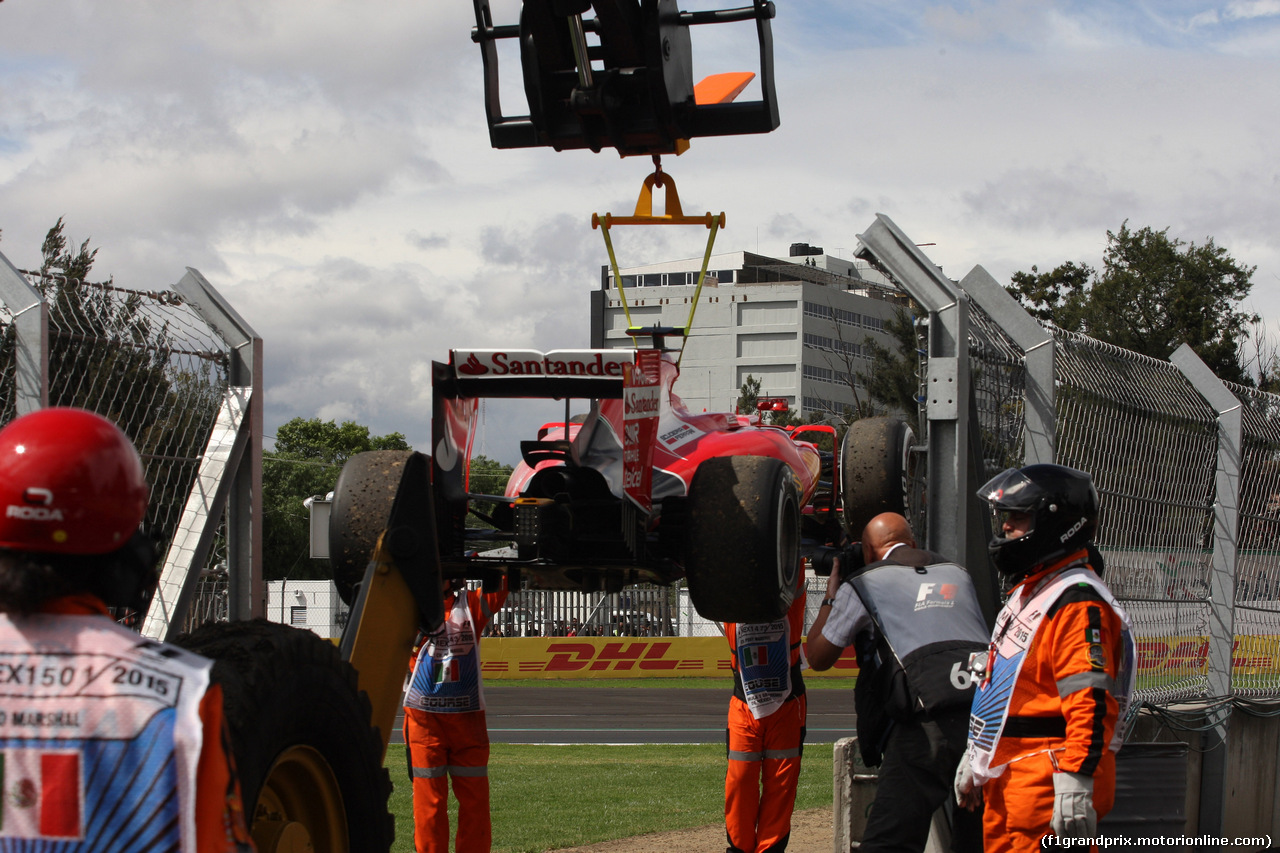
{"x": 638, "y": 490}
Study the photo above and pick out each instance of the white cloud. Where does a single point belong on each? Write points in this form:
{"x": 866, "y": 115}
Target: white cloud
{"x": 1249, "y": 9}
{"x": 990, "y": 21}
{"x": 1035, "y": 200}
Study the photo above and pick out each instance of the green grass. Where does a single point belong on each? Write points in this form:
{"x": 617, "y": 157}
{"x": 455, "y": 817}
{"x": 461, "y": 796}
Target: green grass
{"x": 544, "y": 797}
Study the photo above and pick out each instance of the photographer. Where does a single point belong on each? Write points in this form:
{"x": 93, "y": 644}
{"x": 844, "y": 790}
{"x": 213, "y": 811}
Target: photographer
{"x": 914, "y": 621}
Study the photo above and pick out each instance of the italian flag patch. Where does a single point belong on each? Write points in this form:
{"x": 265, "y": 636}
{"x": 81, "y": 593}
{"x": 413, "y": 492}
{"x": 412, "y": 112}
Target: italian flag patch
{"x": 755, "y": 656}
{"x": 43, "y": 796}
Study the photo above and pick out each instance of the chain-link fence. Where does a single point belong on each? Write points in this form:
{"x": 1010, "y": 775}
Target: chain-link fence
{"x": 1150, "y": 440}
{"x": 8, "y": 365}
{"x": 1257, "y": 587}
{"x": 150, "y": 361}
{"x": 999, "y": 381}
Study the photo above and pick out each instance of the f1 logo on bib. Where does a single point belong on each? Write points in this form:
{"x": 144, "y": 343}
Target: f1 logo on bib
{"x": 935, "y": 595}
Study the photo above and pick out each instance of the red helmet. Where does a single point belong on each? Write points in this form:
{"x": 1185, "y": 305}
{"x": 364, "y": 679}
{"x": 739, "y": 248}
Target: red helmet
{"x": 70, "y": 483}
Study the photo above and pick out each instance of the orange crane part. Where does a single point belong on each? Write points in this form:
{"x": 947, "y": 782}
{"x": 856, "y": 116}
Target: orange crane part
{"x": 721, "y": 88}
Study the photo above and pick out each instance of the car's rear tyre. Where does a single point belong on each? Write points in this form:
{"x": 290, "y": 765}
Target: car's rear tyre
{"x": 361, "y": 508}
{"x": 742, "y": 554}
{"x": 310, "y": 764}
{"x": 875, "y": 470}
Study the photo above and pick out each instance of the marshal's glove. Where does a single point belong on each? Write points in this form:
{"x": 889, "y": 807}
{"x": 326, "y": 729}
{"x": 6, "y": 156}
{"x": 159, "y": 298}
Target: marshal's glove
{"x": 968, "y": 795}
{"x": 1073, "y": 814}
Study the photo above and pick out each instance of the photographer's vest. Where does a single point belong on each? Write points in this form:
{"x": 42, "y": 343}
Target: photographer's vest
{"x": 929, "y": 620}
{"x": 446, "y": 677}
{"x": 100, "y": 736}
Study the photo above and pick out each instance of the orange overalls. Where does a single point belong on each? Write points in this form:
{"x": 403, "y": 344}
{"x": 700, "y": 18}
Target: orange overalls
{"x": 445, "y": 743}
{"x": 764, "y": 754}
{"x": 1062, "y": 715}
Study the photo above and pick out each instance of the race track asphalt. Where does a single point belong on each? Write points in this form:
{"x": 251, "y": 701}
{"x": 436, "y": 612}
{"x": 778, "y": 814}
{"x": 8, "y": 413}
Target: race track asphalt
{"x": 617, "y": 715}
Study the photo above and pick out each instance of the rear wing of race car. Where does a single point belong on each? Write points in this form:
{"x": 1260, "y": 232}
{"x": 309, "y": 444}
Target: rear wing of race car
{"x": 472, "y": 375}
{"x": 593, "y": 374}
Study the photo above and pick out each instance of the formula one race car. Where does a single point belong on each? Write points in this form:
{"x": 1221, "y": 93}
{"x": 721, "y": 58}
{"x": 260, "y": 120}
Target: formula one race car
{"x": 640, "y": 490}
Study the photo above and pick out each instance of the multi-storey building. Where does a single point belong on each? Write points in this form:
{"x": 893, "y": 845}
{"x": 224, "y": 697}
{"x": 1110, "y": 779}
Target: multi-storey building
{"x": 798, "y": 325}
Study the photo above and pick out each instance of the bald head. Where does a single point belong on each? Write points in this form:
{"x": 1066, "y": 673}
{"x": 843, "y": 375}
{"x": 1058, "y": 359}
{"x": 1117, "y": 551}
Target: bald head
{"x": 882, "y": 533}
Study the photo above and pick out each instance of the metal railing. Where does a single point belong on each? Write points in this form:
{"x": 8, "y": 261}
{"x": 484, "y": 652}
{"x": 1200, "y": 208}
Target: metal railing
{"x": 640, "y": 610}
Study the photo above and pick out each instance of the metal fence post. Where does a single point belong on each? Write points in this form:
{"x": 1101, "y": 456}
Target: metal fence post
{"x": 198, "y": 526}
{"x": 31, "y": 345}
{"x": 1213, "y": 788}
{"x": 244, "y": 515}
{"x": 947, "y": 387}
{"x": 1037, "y": 347}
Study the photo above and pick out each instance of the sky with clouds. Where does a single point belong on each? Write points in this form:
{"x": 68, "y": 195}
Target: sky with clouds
{"x": 325, "y": 163}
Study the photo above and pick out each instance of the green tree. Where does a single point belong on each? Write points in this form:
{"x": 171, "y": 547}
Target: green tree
{"x": 489, "y": 476}
{"x": 1153, "y": 293}
{"x": 1261, "y": 359}
{"x": 748, "y": 396}
{"x": 109, "y": 353}
{"x": 306, "y": 461}
{"x": 328, "y": 442}
{"x": 58, "y": 260}
{"x": 893, "y": 380}
{"x": 786, "y": 417}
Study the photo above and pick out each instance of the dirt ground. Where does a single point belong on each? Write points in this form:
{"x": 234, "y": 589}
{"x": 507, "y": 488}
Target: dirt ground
{"x": 812, "y": 831}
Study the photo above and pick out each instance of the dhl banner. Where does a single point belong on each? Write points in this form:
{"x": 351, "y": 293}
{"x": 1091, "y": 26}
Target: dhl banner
{"x": 668, "y": 657}
{"x": 618, "y": 657}
{"x": 1178, "y": 656}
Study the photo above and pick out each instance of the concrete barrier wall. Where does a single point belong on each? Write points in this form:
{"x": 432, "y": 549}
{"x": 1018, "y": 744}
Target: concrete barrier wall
{"x": 1253, "y": 775}
{"x": 853, "y": 785}
{"x": 1252, "y": 772}
{"x": 1150, "y": 780}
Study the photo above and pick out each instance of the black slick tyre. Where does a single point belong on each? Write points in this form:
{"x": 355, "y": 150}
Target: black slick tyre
{"x": 361, "y": 508}
{"x": 875, "y": 471}
{"x": 743, "y": 542}
{"x": 310, "y": 764}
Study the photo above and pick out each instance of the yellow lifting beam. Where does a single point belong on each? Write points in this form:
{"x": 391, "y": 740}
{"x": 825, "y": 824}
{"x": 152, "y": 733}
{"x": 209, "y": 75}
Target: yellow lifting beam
{"x": 644, "y": 215}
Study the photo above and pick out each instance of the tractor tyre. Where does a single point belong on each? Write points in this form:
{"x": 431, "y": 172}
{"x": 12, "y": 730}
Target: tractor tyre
{"x": 362, "y": 501}
{"x": 742, "y": 555}
{"x": 309, "y": 762}
{"x": 875, "y": 471}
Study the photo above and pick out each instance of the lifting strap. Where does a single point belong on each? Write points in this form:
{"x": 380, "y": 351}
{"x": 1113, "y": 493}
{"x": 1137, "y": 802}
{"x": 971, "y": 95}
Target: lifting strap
{"x": 644, "y": 215}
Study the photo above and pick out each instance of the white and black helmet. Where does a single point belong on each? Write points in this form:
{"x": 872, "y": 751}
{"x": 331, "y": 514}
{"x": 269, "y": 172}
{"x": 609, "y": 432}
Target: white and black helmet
{"x": 1063, "y": 505}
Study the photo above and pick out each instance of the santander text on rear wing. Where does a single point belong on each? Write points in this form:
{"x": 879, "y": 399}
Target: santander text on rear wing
{"x": 626, "y": 375}
{"x": 581, "y": 373}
